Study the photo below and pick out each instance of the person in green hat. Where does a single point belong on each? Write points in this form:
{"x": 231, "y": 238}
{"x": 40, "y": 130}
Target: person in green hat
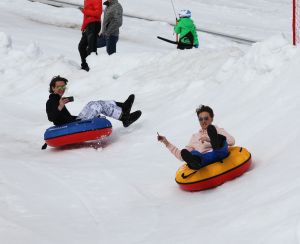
{"x": 186, "y": 29}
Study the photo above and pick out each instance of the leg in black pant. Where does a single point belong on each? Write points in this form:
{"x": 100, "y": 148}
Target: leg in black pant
{"x": 82, "y": 47}
{"x": 92, "y": 34}
{"x": 88, "y": 42}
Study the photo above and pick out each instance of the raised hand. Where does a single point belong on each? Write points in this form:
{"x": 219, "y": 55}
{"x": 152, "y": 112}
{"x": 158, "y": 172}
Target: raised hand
{"x": 162, "y": 139}
{"x": 62, "y": 102}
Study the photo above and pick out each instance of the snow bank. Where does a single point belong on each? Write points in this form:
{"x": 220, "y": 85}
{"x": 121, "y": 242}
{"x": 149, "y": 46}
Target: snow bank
{"x": 62, "y": 17}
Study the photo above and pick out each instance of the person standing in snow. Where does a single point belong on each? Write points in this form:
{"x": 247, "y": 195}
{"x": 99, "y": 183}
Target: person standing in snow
{"x": 186, "y": 29}
{"x": 207, "y": 146}
{"x": 59, "y": 114}
{"x": 112, "y": 21}
{"x": 92, "y": 11}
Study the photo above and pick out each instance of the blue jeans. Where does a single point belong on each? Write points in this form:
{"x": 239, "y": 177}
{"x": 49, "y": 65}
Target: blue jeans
{"x": 213, "y": 156}
{"x": 110, "y": 42}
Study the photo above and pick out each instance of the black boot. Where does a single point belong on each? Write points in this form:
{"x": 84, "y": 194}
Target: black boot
{"x": 85, "y": 67}
{"x": 221, "y": 140}
{"x": 216, "y": 140}
{"x": 192, "y": 161}
{"x": 126, "y": 106}
{"x": 128, "y": 119}
{"x": 213, "y": 136}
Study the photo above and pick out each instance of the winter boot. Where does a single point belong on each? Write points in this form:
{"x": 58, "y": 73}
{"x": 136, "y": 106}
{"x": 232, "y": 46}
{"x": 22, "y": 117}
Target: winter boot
{"x": 192, "y": 161}
{"x": 85, "y": 67}
{"x": 213, "y": 136}
{"x": 221, "y": 140}
{"x": 130, "y": 118}
{"x": 126, "y": 106}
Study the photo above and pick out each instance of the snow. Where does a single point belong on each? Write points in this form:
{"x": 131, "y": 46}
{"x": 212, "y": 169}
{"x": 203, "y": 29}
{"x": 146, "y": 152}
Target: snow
{"x": 123, "y": 191}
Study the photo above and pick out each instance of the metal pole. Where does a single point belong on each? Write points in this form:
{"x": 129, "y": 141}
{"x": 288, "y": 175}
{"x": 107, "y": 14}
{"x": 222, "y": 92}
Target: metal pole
{"x": 174, "y": 9}
{"x": 175, "y": 18}
{"x": 294, "y": 23}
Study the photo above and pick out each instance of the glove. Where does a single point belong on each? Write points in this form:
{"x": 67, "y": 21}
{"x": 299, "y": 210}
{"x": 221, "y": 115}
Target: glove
{"x": 196, "y": 46}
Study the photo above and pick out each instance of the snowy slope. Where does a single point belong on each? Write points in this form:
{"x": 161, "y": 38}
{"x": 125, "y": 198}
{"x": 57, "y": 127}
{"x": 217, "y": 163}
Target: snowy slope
{"x": 124, "y": 191}
{"x": 253, "y": 19}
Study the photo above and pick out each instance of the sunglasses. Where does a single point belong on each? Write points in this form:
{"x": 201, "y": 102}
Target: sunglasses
{"x": 203, "y": 118}
{"x": 62, "y": 88}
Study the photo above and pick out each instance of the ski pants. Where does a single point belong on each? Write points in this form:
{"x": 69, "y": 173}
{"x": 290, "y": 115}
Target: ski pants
{"x": 88, "y": 42}
{"x": 96, "y": 108}
{"x": 213, "y": 156}
{"x": 183, "y": 46}
{"x": 186, "y": 41}
{"x": 110, "y": 42}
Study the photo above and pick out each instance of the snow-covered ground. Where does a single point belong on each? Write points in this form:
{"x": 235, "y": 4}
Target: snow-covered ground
{"x": 124, "y": 191}
{"x": 253, "y": 19}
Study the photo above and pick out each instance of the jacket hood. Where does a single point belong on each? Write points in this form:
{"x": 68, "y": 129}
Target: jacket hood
{"x": 113, "y": 2}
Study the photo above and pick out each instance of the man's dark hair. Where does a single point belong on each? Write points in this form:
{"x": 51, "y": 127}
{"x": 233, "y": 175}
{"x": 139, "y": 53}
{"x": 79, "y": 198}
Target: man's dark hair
{"x": 203, "y": 108}
{"x": 54, "y": 79}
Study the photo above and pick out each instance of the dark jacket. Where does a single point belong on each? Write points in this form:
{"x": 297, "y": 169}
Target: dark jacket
{"x": 56, "y": 116}
{"x": 113, "y": 19}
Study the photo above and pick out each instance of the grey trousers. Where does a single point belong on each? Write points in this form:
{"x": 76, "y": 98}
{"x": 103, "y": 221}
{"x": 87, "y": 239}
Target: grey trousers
{"x": 96, "y": 108}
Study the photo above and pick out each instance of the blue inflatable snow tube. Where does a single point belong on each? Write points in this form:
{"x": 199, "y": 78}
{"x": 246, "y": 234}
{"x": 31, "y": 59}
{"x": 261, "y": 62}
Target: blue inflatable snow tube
{"x": 78, "y": 131}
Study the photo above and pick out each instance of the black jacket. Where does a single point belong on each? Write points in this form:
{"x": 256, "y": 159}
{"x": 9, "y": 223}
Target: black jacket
{"x": 56, "y": 116}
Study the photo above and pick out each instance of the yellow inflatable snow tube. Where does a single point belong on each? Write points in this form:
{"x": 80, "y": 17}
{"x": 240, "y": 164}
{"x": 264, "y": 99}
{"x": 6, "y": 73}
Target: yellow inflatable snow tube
{"x": 238, "y": 162}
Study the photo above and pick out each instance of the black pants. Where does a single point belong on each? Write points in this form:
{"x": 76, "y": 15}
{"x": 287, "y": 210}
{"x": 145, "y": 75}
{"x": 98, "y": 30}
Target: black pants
{"x": 184, "y": 40}
{"x": 183, "y": 46}
{"x": 88, "y": 42}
